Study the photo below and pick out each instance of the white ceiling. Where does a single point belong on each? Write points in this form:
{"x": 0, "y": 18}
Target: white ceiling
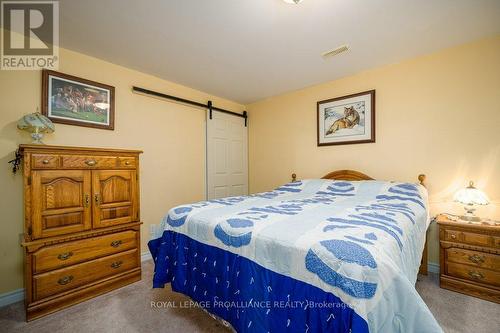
{"x": 247, "y": 50}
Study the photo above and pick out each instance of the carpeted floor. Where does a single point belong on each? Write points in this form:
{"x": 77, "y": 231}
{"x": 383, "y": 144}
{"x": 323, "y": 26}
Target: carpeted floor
{"x": 129, "y": 310}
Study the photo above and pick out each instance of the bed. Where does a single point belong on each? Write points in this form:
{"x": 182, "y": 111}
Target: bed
{"x": 337, "y": 254}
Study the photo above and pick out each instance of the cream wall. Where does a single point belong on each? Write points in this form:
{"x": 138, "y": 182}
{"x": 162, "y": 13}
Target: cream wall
{"x": 172, "y": 137}
{"x": 438, "y": 114}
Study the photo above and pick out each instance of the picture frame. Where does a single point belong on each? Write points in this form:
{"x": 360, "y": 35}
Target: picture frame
{"x": 347, "y": 119}
{"x": 71, "y": 100}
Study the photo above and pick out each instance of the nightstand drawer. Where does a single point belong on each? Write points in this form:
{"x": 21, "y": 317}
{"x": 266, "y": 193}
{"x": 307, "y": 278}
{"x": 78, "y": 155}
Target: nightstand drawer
{"x": 476, "y": 239}
{"x": 473, "y": 273}
{"x": 475, "y": 258}
{"x": 452, "y": 235}
{"x": 470, "y": 238}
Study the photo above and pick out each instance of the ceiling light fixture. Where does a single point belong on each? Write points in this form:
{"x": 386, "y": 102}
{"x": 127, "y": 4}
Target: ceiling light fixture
{"x": 295, "y": 2}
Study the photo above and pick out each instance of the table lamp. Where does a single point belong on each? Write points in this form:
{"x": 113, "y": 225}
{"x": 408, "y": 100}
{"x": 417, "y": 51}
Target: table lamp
{"x": 469, "y": 197}
{"x": 37, "y": 124}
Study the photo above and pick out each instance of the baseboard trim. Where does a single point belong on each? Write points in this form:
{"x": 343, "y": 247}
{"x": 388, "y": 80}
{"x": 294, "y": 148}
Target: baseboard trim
{"x": 11, "y": 297}
{"x": 433, "y": 267}
{"x": 145, "y": 256}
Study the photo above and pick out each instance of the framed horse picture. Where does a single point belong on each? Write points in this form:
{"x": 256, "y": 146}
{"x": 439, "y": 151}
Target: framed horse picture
{"x": 72, "y": 100}
{"x": 347, "y": 120}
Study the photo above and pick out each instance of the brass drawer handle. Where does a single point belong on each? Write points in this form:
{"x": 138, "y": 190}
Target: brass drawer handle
{"x": 116, "y": 243}
{"x": 477, "y": 259}
{"x": 116, "y": 264}
{"x": 65, "y": 280}
{"x": 127, "y": 162}
{"x": 453, "y": 236}
{"x": 90, "y": 162}
{"x": 65, "y": 256}
{"x": 476, "y": 275}
{"x": 45, "y": 161}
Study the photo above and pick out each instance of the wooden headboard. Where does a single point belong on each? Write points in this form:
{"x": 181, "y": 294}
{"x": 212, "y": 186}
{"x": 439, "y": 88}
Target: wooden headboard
{"x": 346, "y": 175}
{"x": 356, "y": 175}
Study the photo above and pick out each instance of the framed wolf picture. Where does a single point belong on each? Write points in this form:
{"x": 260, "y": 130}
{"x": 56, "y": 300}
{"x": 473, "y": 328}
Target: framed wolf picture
{"x": 347, "y": 119}
{"x": 72, "y": 100}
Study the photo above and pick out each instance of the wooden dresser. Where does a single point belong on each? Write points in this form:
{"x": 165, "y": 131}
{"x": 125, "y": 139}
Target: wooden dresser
{"x": 470, "y": 258}
{"x": 82, "y": 226}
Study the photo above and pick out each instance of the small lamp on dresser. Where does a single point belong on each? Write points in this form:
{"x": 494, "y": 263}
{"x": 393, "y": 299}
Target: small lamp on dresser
{"x": 469, "y": 197}
{"x": 37, "y": 125}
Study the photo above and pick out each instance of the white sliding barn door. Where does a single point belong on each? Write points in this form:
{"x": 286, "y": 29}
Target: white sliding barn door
{"x": 227, "y": 156}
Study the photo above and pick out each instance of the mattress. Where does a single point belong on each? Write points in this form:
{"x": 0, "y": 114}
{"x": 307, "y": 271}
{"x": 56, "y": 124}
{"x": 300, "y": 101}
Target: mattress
{"x": 310, "y": 256}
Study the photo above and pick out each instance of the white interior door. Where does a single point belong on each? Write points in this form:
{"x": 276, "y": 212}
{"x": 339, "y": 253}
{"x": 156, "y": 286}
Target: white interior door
{"x": 227, "y": 156}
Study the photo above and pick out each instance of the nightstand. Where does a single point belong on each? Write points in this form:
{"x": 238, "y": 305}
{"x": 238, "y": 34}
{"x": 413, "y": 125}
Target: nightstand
{"x": 469, "y": 257}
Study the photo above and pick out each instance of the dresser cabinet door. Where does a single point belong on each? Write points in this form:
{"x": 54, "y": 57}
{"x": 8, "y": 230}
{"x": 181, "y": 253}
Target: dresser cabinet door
{"x": 115, "y": 197}
{"x": 61, "y": 202}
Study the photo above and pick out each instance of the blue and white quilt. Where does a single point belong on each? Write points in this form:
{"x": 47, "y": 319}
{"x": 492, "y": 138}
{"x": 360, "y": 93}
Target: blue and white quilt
{"x": 310, "y": 256}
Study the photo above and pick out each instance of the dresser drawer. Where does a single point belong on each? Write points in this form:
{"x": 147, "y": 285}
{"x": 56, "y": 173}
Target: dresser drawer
{"x": 66, "y": 254}
{"x": 475, "y": 274}
{"x": 475, "y": 258}
{"x": 126, "y": 162}
{"x": 39, "y": 161}
{"x": 88, "y": 162}
{"x": 78, "y": 275}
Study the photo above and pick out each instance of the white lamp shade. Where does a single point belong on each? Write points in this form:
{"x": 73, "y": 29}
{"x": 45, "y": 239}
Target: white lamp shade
{"x": 471, "y": 196}
{"x": 292, "y": 1}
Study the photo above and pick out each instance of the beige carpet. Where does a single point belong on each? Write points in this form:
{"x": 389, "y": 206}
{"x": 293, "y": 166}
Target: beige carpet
{"x": 129, "y": 310}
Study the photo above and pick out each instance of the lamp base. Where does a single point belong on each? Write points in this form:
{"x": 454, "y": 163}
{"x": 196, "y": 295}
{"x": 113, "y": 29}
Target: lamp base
{"x": 469, "y": 214}
{"x": 470, "y": 218}
{"x": 37, "y": 138}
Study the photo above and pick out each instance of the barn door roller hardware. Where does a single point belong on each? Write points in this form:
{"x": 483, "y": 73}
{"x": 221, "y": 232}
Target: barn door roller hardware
{"x": 208, "y": 106}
